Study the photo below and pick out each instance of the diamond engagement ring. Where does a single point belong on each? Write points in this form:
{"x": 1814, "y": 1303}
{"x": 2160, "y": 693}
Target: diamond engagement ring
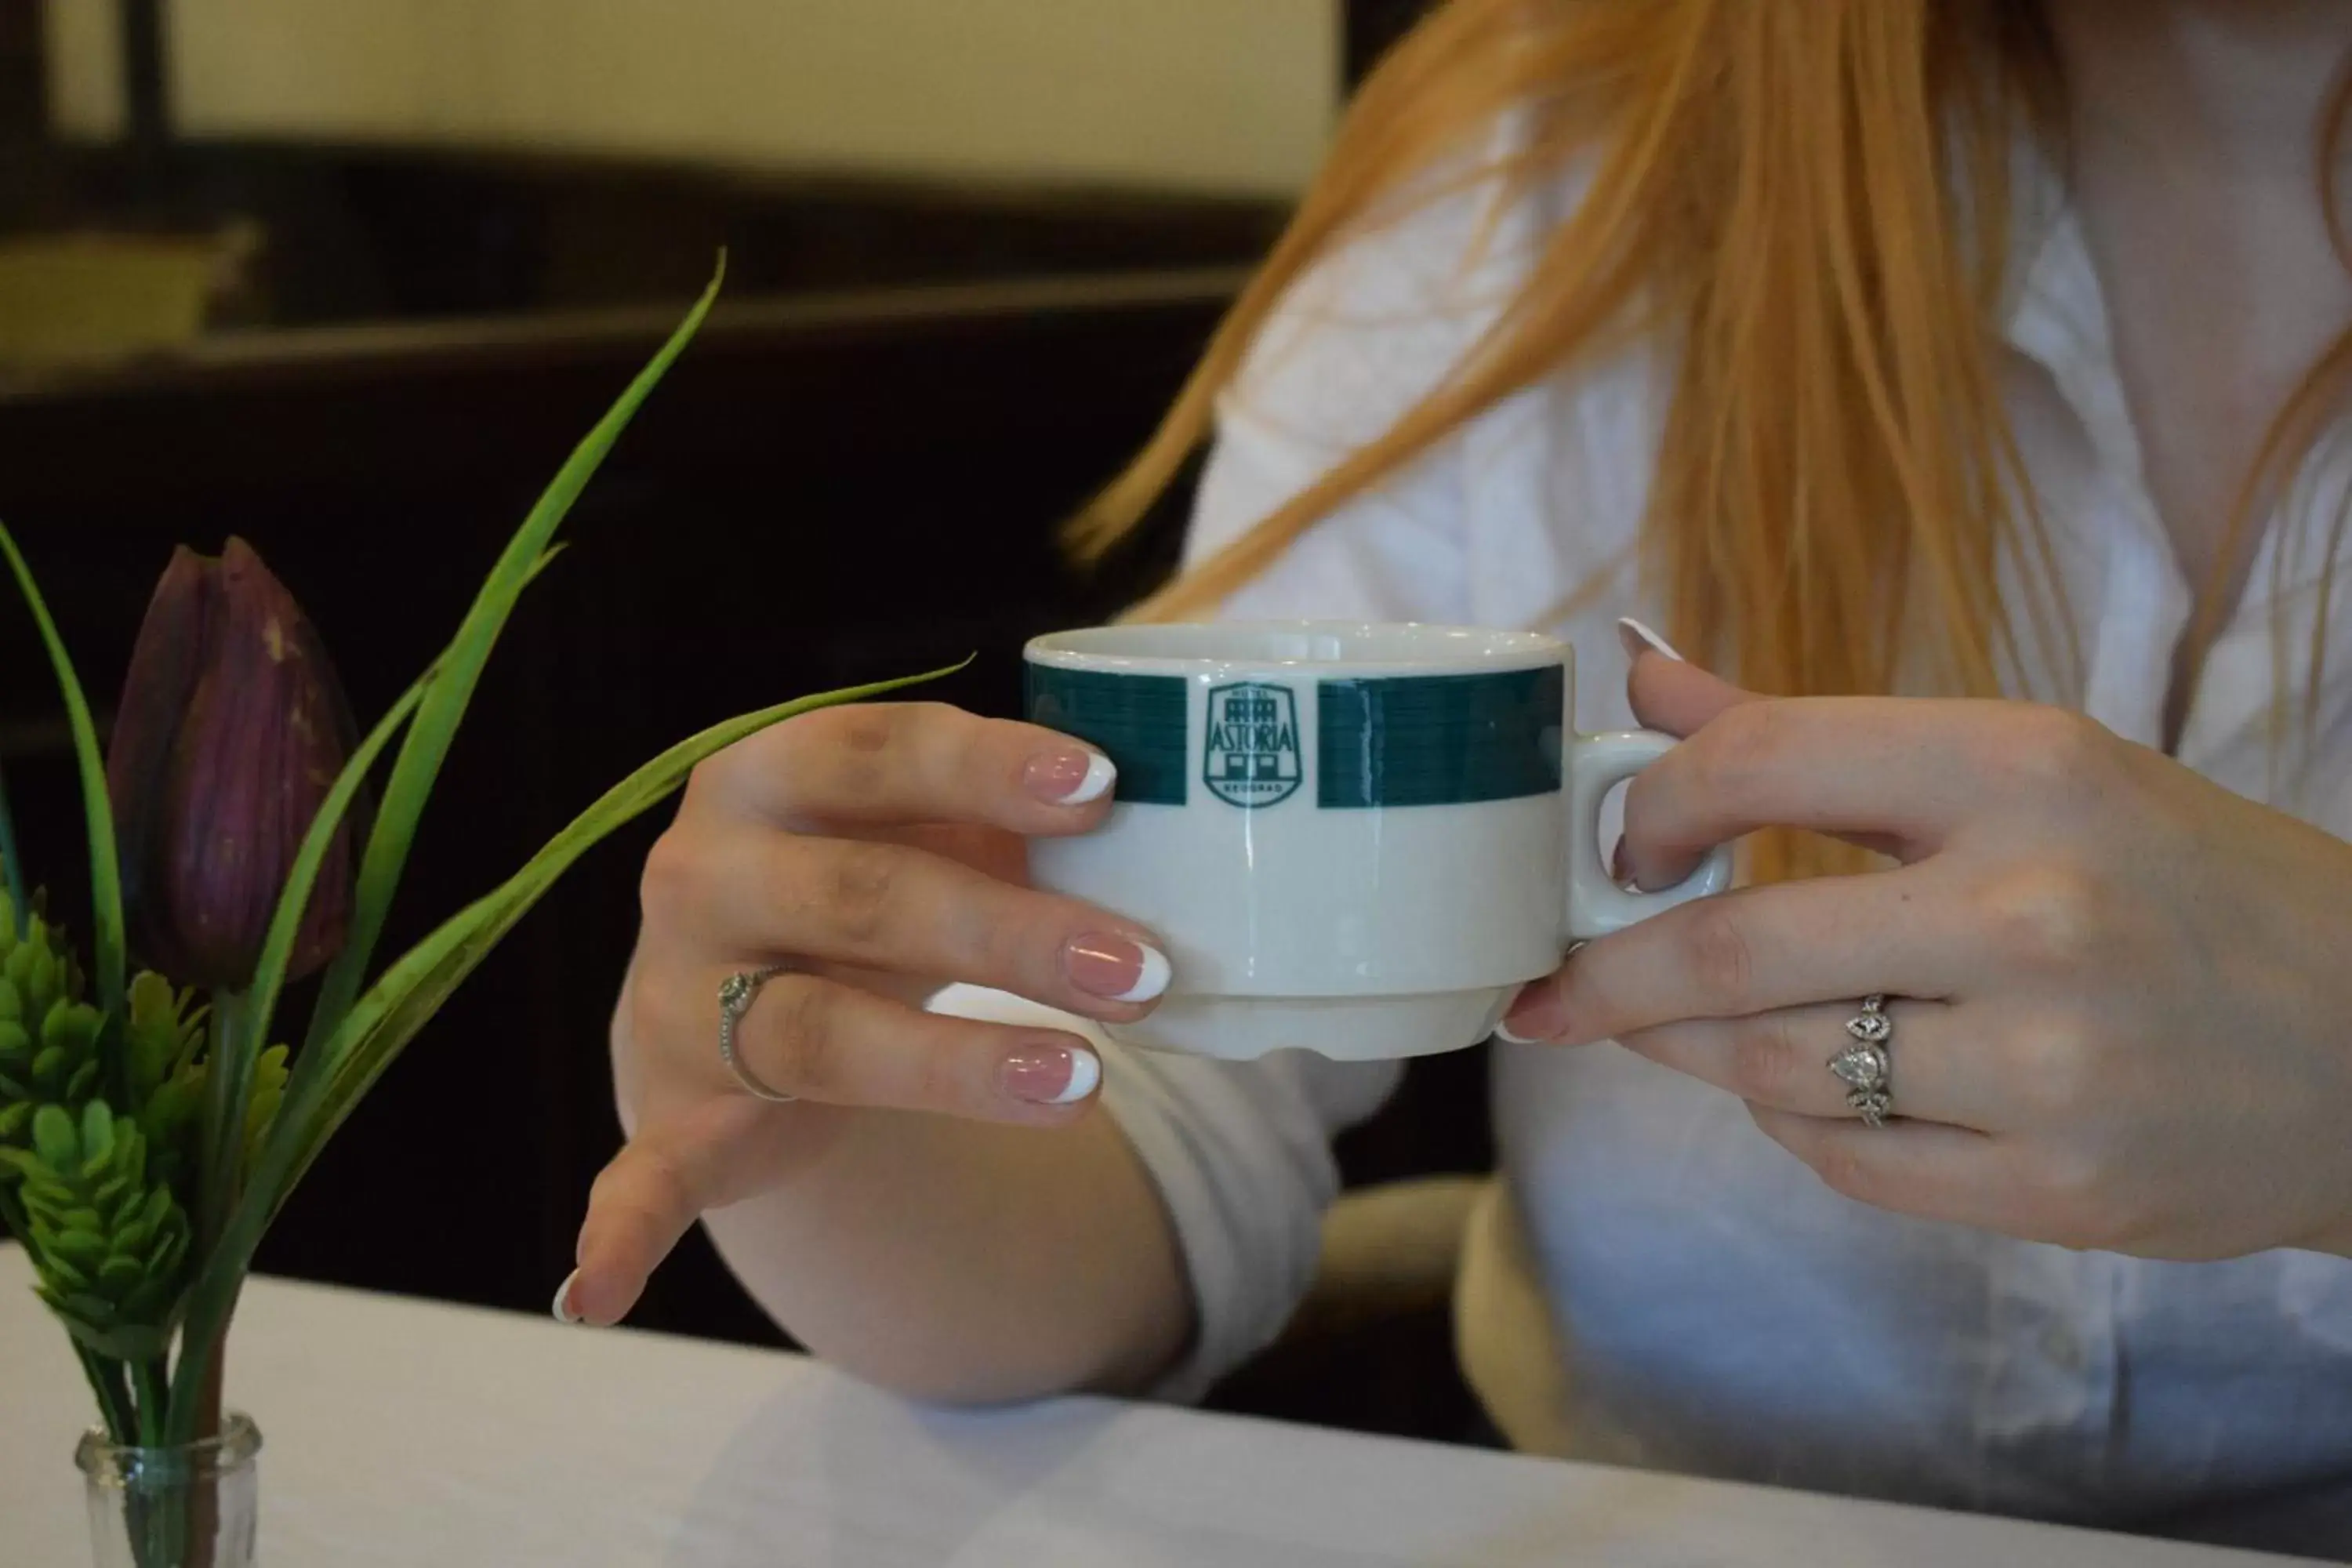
{"x": 736, "y": 994}
{"x": 1864, "y": 1066}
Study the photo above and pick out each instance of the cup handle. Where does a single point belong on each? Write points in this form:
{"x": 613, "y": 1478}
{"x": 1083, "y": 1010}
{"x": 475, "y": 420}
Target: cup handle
{"x": 1596, "y": 906}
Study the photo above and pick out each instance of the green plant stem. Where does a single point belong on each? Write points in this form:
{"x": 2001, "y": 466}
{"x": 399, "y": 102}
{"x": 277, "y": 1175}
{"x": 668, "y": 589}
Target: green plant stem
{"x": 160, "y": 1526}
{"x": 154, "y": 1394}
{"x": 12, "y": 864}
{"x": 228, "y": 1060}
{"x": 436, "y": 727}
{"x": 114, "y": 1405}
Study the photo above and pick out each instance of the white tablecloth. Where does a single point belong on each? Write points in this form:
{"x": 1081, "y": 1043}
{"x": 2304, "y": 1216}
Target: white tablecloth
{"x": 401, "y": 1432}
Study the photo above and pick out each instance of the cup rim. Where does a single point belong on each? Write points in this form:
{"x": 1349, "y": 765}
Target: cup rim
{"x": 1425, "y": 648}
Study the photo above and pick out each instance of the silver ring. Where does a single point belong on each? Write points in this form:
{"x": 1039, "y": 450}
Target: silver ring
{"x": 1864, "y": 1066}
{"x": 736, "y": 994}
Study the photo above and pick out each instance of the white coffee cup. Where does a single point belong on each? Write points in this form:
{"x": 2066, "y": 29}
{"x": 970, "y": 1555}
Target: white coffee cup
{"x": 1355, "y": 839}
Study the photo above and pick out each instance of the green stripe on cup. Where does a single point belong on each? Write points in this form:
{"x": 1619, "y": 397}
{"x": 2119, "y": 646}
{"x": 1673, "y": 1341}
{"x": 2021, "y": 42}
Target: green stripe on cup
{"x": 1135, "y": 721}
{"x": 1439, "y": 740}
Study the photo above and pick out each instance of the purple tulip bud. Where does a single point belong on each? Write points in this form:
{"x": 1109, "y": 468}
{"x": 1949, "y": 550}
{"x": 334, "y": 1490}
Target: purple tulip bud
{"x": 231, "y": 730}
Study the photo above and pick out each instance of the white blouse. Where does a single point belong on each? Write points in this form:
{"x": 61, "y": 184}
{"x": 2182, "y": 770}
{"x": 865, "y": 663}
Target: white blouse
{"x": 1713, "y": 1308}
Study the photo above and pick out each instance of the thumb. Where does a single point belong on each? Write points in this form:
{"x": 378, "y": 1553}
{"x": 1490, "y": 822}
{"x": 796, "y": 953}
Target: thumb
{"x": 1669, "y": 693}
{"x": 1672, "y": 695}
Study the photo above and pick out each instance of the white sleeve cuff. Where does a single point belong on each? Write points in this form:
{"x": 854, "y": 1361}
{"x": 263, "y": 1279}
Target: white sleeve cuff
{"x": 1240, "y": 1154}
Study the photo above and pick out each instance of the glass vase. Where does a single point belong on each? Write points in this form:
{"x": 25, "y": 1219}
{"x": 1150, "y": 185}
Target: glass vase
{"x": 191, "y": 1507}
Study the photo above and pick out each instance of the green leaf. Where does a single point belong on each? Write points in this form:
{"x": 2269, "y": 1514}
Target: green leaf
{"x": 150, "y": 1031}
{"x": 12, "y": 868}
{"x": 161, "y": 1034}
{"x": 107, "y": 1251}
{"x": 429, "y": 738}
{"x": 97, "y": 1136}
{"x": 268, "y": 1093}
{"x": 70, "y": 1027}
{"x": 105, "y": 869}
{"x": 115, "y": 1342}
{"x": 331, "y": 1078}
{"x": 82, "y": 1247}
{"x": 43, "y": 1193}
{"x": 54, "y": 1138}
{"x": 452, "y": 682}
{"x": 91, "y": 1309}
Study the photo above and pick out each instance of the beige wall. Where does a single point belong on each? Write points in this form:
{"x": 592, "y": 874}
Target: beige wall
{"x": 1219, "y": 95}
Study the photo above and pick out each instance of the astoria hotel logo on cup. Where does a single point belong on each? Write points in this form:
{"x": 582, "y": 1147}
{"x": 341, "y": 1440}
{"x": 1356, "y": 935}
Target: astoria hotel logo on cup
{"x": 1349, "y": 838}
{"x": 1251, "y": 757}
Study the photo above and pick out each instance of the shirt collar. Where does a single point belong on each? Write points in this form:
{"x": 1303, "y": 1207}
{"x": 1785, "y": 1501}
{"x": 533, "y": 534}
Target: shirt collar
{"x": 2057, "y": 315}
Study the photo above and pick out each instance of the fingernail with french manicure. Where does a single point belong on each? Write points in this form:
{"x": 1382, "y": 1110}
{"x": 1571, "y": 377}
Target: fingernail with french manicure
{"x": 1640, "y": 639}
{"x": 1052, "y": 1075}
{"x": 1535, "y": 1018}
{"x": 562, "y": 1307}
{"x": 1074, "y": 777}
{"x": 1116, "y": 968}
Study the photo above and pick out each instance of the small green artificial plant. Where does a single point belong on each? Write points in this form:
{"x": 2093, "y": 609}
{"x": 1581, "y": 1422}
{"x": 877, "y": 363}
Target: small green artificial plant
{"x": 149, "y": 1131}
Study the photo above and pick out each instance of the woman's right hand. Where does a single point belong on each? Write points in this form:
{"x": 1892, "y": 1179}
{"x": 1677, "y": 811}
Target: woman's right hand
{"x": 877, "y": 853}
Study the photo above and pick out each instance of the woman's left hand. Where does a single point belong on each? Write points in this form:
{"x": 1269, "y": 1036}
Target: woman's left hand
{"x": 2121, "y": 994}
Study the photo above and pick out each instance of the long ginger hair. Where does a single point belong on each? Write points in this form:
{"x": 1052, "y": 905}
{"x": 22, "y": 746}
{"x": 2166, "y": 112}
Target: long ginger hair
{"x": 1809, "y": 203}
